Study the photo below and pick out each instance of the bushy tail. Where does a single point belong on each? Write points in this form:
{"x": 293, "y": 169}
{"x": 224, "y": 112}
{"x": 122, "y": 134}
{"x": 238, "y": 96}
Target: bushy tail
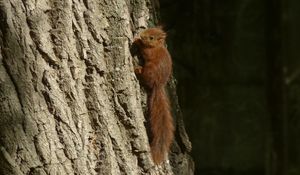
{"x": 161, "y": 121}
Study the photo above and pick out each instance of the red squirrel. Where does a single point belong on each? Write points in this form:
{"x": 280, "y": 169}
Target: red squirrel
{"x": 155, "y": 74}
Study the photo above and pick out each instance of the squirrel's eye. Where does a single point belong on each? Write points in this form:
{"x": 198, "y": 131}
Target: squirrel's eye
{"x": 151, "y": 37}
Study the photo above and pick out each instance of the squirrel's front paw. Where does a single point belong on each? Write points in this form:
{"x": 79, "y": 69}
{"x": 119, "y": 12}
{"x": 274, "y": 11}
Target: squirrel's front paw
{"x": 138, "y": 70}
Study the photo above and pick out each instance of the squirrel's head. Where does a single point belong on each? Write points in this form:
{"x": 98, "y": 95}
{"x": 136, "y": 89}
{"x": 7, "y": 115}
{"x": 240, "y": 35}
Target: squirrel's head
{"x": 153, "y": 37}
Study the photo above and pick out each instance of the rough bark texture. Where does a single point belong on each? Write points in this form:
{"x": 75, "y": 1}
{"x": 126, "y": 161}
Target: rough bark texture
{"x": 69, "y": 100}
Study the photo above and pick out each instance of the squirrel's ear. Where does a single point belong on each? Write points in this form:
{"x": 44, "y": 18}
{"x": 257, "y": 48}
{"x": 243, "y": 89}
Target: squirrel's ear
{"x": 161, "y": 27}
{"x": 162, "y": 35}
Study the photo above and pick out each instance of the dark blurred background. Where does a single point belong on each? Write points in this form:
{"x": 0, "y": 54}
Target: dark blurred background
{"x": 237, "y": 63}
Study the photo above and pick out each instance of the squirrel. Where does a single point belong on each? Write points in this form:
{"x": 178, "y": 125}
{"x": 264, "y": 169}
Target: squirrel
{"x": 154, "y": 75}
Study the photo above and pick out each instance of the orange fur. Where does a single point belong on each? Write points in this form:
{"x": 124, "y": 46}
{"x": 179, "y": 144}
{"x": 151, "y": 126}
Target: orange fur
{"x": 155, "y": 74}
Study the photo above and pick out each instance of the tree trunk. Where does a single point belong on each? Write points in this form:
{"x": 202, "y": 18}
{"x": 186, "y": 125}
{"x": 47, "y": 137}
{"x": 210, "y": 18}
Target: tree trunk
{"x": 69, "y": 100}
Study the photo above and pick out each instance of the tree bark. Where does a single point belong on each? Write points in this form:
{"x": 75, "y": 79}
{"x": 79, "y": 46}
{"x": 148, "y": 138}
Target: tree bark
{"x": 69, "y": 100}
